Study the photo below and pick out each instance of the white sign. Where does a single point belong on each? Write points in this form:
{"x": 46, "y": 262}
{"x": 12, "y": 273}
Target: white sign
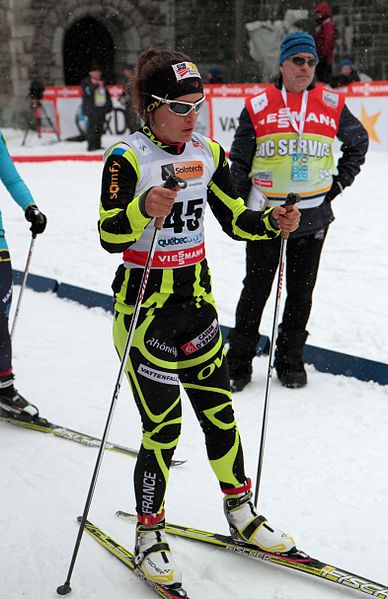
{"x": 219, "y": 116}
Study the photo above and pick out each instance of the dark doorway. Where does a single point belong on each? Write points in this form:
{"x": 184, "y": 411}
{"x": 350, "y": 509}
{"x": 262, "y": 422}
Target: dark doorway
{"x": 85, "y": 43}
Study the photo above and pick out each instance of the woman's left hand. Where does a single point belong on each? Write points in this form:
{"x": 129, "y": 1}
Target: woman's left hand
{"x": 286, "y": 219}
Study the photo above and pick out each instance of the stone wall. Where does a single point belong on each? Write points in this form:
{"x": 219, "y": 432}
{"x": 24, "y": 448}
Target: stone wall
{"x": 32, "y": 34}
{"x": 206, "y": 30}
{"x": 5, "y": 57}
{"x": 363, "y": 34}
{"x": 212, "y": 32}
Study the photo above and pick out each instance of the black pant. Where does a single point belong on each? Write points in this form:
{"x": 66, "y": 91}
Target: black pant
{"x": 95, "y": 128}
{"x": 262, "y": 259}
{"x": 5, "y": 306}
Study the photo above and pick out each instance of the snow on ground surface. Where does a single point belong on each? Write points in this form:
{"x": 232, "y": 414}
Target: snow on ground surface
{"x": 325, "y": 475}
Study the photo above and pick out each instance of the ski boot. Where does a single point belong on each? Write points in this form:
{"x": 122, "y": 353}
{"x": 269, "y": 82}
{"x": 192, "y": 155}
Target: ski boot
{"x": 15, "y": 405}
{"x": 153, "y": 555}
{"x": 246, "y": 525}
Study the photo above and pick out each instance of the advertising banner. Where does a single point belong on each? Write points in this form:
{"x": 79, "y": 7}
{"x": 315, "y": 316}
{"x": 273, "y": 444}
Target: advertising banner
{"x": 66, "y": 103}
{"x": 219, "y": 117}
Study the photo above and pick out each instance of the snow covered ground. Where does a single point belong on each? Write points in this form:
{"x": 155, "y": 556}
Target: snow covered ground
{"x": 325, "y": 476}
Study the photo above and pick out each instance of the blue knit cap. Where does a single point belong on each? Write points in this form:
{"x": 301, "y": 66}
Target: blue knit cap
{"x": 297, "y": 42}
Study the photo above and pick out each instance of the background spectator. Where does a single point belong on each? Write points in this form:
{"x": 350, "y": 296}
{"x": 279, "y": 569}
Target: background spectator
{"x": 325, "y": 36}
{"x": 96, "y": 104}
{"x": 348, "y": 74}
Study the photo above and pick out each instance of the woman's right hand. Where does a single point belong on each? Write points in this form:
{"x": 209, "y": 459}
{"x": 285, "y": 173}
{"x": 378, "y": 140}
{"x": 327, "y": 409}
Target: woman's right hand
{"x": 159, "y": 201}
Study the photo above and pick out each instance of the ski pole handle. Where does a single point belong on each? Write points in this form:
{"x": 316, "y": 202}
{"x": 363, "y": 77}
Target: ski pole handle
{"x": 291, "y": 200}
{"x": 171, "y": 182}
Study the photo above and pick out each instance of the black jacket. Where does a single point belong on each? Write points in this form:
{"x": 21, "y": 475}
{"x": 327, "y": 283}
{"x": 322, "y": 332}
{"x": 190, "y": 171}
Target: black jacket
{"x": 88, "y": 103}
{"x": 340, "y": 79}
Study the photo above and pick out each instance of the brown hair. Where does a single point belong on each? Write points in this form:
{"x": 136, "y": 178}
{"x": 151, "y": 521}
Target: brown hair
{"x": 150, "y": 62}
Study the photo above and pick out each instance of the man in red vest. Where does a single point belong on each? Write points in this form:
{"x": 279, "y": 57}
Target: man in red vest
{"x": 284, "y": 143}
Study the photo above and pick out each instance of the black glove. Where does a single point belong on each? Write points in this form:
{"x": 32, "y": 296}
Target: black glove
{"x": 36, "y": 218}
{"x": 334, "y": 190}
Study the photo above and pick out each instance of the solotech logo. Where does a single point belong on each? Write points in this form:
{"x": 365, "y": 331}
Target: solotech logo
{"x": 184, "y": 170}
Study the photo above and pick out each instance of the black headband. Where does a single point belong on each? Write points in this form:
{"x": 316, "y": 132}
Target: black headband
{"x": 176, "y": 80}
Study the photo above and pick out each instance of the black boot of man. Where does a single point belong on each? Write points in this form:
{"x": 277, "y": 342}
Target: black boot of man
{"x": 242, "y": 350}
{"x": 289, "y": 363}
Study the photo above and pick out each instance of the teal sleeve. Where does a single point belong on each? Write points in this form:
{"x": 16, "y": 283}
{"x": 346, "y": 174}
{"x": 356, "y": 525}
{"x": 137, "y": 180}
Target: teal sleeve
{"x": 11, "y": 178}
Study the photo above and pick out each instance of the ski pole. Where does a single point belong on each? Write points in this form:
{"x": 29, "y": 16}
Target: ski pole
{"x": 23, "y": 284}
{"x": 292, "y": 198}
{"x": 65, "y": 588}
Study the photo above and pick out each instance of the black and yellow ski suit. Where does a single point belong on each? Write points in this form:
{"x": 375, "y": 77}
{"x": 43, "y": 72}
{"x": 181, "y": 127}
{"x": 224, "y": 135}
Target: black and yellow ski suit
{"x": 177, "y": 338}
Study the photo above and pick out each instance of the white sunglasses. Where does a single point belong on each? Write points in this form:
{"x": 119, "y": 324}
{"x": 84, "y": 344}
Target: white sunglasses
{"x": 181, "y": 108}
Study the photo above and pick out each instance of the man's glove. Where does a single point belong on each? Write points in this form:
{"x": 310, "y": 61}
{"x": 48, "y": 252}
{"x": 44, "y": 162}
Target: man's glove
{"x": 334, "y": 190}
{"x": 36, "y": 218}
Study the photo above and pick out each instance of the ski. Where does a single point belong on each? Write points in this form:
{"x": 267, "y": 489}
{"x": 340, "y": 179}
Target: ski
{"x": 128, "y": 559}
{"x": 44, "y": 426}
{"x": 297, "y": 561}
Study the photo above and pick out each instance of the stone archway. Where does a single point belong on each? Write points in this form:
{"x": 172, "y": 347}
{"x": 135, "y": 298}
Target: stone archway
{"x": 86, "y": 42}
{"x": 130, "y": 28}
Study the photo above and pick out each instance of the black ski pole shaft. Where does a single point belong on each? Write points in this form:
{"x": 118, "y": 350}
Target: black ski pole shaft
{"x": 23, "y": 283}
{"x": 292, "y": 198}
{"x": 65, "y": 588}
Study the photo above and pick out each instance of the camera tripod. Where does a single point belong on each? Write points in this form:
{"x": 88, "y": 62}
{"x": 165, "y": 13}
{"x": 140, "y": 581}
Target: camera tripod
{"x": 34, "y": 120}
